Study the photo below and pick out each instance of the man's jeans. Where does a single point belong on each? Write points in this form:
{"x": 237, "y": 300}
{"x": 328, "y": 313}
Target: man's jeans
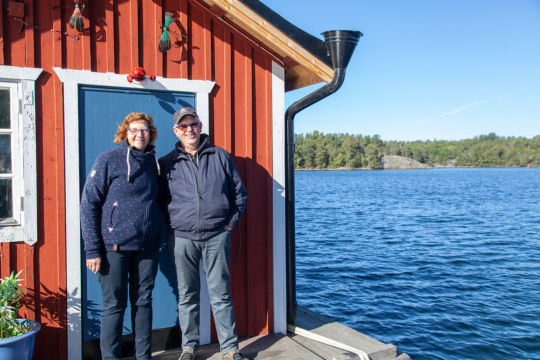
{"x": 215, "y": 255}
{"x": 118, "y": 269}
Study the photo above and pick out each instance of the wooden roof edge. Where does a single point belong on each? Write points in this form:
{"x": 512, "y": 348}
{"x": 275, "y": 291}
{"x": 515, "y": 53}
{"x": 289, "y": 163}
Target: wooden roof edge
{"x": 310, "y": 69}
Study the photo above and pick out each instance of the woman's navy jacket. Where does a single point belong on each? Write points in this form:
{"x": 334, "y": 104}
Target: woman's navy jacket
{"x": 119, "y": 208}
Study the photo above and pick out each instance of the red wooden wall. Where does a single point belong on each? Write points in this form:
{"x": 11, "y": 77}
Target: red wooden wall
{"x": 120, "y": 35}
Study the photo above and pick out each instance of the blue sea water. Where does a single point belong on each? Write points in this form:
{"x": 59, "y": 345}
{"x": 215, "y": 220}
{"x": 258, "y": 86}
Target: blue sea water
{"x": 443, "y": 263}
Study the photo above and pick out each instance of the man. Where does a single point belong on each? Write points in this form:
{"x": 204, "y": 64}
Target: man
{"x": 204, "y": 197}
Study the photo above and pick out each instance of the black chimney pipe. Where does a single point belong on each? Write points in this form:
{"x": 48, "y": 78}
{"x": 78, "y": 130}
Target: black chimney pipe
{"x": 340, "y": 45}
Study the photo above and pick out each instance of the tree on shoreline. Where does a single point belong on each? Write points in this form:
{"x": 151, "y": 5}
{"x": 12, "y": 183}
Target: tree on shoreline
{"x": 330, "y": 151}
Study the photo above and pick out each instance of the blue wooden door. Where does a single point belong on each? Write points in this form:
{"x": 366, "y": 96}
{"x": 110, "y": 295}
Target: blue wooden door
{"x": 101, "y": 110}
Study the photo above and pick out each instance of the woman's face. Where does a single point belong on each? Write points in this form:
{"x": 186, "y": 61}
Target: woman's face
{"x": 138, "y": 135}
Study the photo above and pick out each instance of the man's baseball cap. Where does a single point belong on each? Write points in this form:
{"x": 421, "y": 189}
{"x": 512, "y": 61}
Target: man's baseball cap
{"x": 178, "y": 115}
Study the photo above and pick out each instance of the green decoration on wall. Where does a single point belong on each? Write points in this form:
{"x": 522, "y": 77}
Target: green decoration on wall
{"x": 165, "y": 40}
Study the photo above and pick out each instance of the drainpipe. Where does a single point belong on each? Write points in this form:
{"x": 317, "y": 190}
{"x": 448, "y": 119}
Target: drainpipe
{"x": 340, "y": 45}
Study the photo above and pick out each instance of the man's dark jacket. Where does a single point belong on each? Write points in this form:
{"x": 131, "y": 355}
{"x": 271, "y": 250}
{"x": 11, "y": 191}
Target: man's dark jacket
{"x": 202, "y": 193}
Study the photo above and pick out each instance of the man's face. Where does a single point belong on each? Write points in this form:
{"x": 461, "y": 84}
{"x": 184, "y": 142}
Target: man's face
{"x": 188, "y": 130}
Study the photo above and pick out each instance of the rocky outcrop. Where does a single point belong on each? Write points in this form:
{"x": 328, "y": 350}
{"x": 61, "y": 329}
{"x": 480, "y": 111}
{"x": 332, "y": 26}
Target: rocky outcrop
{"x": 396, "y": 162}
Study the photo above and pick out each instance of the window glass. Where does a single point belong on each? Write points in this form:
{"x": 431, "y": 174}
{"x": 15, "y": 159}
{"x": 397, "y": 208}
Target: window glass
{"x": 6, "y": 208}
{"x": 4, "y": 108}
{"x": 5, "y": 154}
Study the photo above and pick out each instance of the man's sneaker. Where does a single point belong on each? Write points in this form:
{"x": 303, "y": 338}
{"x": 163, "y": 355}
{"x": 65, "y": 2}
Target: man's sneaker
{"x": 187, "y": 354}
{"x": 234, "y": 355}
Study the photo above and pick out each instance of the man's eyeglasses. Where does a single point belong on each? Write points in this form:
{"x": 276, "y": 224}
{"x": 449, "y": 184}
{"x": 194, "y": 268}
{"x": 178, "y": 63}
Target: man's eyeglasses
{"x": 194, "y": 126}
{"x": 138, "y": 131}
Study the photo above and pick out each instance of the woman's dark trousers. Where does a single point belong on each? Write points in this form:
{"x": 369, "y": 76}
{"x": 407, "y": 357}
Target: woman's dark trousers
{"x": 123, "y": 271}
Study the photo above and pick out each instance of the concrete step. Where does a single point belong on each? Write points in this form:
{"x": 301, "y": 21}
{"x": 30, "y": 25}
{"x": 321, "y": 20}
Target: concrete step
{"x": 331, "y": 329}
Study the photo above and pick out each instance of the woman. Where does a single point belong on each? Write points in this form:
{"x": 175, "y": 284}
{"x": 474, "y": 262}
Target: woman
{"x": 121, "y": 224}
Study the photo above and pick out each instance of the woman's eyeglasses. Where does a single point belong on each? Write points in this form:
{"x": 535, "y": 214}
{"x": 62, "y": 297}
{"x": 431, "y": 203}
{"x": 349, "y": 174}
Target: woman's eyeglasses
{"x": 138, "y": 131}
{"x": 194, "y": 126}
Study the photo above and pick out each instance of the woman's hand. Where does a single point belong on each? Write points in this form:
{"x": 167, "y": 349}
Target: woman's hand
{"x": 94, "y": 264}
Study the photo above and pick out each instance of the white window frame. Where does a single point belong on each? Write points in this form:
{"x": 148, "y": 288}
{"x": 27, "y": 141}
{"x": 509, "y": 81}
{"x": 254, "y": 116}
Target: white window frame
{"x": 21, "y": 82}
{"x": 72, "y": 80}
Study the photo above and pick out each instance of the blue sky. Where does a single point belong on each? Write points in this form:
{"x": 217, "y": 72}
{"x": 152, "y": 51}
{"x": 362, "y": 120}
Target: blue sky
{"x": 427, "y": 69}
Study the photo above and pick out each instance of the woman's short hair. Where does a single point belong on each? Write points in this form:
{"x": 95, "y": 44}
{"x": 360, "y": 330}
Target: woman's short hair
{"x": 121, "y": 132}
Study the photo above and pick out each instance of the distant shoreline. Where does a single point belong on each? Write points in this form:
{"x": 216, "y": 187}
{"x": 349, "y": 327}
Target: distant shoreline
{"x": 344, "y": 151}
{"x": 396, "y": 162}
{"x": 422, "y": 168}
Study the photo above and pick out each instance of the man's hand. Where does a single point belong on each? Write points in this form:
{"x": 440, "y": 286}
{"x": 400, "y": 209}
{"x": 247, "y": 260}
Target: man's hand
{"x": 228, "y": 228}
{"x": 94, "y": 264}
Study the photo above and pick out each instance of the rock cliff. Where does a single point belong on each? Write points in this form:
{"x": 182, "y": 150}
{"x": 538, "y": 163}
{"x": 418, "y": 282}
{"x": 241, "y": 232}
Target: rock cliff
{"x": 396, "y": 162}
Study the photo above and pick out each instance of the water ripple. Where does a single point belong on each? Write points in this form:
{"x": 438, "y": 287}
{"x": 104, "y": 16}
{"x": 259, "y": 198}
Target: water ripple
{"x": 442, "y": 263}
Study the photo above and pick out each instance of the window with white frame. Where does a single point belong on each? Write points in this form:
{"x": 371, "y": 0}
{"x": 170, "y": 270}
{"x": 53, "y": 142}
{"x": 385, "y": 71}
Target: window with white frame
{"x": 18, "y": 185}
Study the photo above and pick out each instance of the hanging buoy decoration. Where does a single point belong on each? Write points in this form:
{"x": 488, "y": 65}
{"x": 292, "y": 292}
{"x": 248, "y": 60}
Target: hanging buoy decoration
{"x": 165, "y": 40}
{"x": 76, "y": 21}
{"x": 139, "y": 74}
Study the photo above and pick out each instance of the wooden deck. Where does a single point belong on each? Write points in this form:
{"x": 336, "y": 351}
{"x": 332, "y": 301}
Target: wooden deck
{"x": 292, "y": 346}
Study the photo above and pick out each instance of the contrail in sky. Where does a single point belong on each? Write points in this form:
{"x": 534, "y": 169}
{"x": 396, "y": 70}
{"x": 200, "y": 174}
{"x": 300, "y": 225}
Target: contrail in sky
{"x": 464, "y": 107}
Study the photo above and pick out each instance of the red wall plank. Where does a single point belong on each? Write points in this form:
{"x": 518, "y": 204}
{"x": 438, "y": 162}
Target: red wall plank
{"x": 5, "y": 259}
{"x": 2, "y": 35}
{"x": 221, "y": 106}
{"x": 149, "y": 34}
{"x": 29, "y": 33}
{"x": 16, "y": 40}
{"x": 241, "y": 150}
{"x": 184, "y": 23}
{"x": 85, "y": 39}
{"x": 49, "y": 276}
{"x": 110, "y": 38}
{"x": 97, "y": 11}
{"x": 200, "y": 50}
{"x": 126, "y": 50}
{"x": 257, "y": 178}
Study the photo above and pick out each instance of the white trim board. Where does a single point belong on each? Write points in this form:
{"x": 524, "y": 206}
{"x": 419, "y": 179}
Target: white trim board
{"x": 278, "y": 199}
{"x": 17, "y": 73}
{"x": 71, "y": 80}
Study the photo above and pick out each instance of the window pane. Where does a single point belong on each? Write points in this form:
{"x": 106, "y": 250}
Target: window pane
{"x": 5, "y": 153}
{"x": 4, "y": 109}
{"x": 6, "y": 195}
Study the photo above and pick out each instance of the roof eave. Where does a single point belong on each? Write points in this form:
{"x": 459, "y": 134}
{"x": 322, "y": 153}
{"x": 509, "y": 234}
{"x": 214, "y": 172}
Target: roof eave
{"x": 302, "y": 68}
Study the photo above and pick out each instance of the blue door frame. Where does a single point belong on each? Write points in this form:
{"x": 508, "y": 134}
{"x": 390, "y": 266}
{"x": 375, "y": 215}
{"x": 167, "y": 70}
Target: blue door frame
{"x": 101, "y": 110}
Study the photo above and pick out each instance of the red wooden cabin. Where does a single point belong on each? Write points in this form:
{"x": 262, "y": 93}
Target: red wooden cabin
{"x": 233, "y": 59}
